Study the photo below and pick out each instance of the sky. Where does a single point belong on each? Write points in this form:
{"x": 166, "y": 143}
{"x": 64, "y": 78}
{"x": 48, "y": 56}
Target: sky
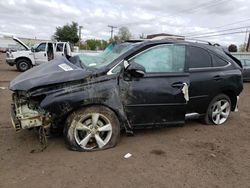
{"x": 190, "y": 18}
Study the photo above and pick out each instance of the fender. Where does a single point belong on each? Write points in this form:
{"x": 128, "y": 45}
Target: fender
{"x": 96, "y": 91}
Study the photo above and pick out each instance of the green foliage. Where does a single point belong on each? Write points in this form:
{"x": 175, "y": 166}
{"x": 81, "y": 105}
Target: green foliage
{"x": 232, "y": 48}
{"x": 67, "y": 33}
{"x": 123, "y": 34}
{"x": 242, "y": 47}
{"x": 142, "y": 36}
{"x": 94, "y": 44}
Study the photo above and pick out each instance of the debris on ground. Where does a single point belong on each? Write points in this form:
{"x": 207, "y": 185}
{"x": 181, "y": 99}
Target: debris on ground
{"x": 128, "y": 155}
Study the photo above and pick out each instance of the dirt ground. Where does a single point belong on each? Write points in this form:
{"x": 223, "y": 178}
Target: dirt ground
{"x": 191, "y": 156}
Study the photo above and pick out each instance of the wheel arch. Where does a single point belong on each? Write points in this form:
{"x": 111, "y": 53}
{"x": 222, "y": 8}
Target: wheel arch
{"x": 233, "y": 97}
{"x": 118, "y": 114}
{"x": 22, "y": 57}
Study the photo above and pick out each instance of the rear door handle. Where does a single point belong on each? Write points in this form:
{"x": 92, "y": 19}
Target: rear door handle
{"x": 177, "y": 85}
{"x": 217, "y": 78}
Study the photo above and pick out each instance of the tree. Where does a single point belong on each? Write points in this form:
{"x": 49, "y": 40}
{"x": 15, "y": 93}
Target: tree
{"x": 95, "y": 44}
{"x": 123, "y": 34}
{"x": 232, "y": 48}
{"x": 67, "y": 33}
{"x": 142, "y": 36}
{"x": 242, "y": 47}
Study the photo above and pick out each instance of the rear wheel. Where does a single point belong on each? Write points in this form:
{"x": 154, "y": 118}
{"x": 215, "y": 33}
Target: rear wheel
{"x": 92, "y": 128}
{"x": 218, "y": 110}
{"x": 23, "y": 65}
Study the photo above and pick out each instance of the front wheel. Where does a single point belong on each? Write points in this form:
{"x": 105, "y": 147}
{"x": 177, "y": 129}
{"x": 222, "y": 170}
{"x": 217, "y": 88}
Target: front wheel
{"x": 218, "y": 110}
{"x": 92, "y": 128}
{"x": 23, "y": 65}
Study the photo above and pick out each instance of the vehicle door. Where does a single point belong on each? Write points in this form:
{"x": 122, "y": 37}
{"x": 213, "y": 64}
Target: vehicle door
{"x": 246, "y": 69}
{"x": 59, "y": 49}
{"x": 207, "y": 75}
{"x": 40, "y": 53}
{"x": 50, "y": 51}
{"x": 158, "y": 96}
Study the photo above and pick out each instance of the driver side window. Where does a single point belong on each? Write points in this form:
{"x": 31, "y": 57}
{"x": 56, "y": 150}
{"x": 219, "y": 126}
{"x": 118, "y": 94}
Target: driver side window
{"x": 164, "y": 58}
{"x": 41, "y": 47}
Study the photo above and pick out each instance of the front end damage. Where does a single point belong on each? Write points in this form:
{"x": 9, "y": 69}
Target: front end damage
{"x": 26, "y": 113}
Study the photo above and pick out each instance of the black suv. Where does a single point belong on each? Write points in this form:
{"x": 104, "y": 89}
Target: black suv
{"x": 132, "y": 84}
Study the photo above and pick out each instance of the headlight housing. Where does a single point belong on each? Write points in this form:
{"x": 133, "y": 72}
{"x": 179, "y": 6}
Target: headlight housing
{"x": 9, "y": 55}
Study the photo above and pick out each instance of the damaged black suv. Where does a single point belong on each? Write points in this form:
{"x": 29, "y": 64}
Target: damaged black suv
{"x": 132, "y": 84}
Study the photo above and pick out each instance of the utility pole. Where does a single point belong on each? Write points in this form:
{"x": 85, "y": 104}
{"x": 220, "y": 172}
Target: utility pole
{"x": 248, "y": 44}
{"x": 111, "y": 30}
{"x": 80, "y": 33}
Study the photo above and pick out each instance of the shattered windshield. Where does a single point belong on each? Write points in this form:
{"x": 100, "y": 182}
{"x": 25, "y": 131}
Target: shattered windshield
{"x": 112, "y": 52}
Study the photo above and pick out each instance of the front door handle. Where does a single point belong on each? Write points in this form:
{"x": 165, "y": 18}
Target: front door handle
{"x": 177, "y": 85}
{"x": 217, "y": 78}
{"x": 45, "y": 54}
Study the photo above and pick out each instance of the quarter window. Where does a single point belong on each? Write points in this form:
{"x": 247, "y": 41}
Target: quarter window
{"x": 218, "y": 62}
{"x": 164, "y": 58}
{"x": 199, "y": 58}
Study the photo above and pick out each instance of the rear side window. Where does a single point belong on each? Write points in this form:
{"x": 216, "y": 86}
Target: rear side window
{"x": 218, "y": 62}
{"x": 199, "y": 58}
{"x": 59, "y": 47}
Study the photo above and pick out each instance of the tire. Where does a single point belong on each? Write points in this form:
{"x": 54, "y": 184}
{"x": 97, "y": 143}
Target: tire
{"x": 23, "y": 65}
{"x": 218, "y": 110}
{"x": 82, "y": 135}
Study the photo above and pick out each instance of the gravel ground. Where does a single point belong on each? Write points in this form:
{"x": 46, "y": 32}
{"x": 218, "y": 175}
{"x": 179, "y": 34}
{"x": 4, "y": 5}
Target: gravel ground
{"x": 191, "y": 156}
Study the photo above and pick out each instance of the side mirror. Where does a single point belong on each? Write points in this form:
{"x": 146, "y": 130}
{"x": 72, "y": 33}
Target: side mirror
{"x": 136, "y": 70}
{"x": 32, "y": 49}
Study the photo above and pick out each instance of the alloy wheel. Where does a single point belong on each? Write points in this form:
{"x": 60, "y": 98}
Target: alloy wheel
{"x": 94, "y": 130}
{"x": 220, "y": 111}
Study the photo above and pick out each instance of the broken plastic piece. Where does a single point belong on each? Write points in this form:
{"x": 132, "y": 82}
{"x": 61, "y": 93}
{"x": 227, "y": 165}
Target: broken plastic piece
{"x": 185, "y": 92}
{"x": 127, "y": 155}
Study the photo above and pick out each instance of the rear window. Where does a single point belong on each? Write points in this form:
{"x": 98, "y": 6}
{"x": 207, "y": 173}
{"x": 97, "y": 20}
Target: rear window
{"x": 199, "y": 58}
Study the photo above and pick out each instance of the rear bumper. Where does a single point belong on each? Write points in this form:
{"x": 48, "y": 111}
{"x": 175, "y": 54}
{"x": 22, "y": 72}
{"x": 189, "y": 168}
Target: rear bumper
{"x": 237, "y": 103}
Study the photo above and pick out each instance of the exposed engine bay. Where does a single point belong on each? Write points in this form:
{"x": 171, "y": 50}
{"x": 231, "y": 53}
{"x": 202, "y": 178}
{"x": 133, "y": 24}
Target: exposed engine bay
{"x": 27, "y": 114}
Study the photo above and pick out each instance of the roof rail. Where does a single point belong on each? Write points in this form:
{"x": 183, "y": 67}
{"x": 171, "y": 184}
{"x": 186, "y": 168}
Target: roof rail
{"x": 201, "y": 41}
{"x": 168, "y": 38}
{"x": 175, "y": 39}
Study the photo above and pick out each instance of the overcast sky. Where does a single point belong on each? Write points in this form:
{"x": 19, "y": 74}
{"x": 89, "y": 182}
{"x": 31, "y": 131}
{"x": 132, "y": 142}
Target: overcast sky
{"x": 39, "y": 18}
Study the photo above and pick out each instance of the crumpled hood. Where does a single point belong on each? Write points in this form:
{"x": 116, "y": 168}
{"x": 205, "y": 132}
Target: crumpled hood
{"x": 55, "y": 71}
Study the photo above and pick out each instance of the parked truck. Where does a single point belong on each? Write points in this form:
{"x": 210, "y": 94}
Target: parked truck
{"x": 40, "y": 53}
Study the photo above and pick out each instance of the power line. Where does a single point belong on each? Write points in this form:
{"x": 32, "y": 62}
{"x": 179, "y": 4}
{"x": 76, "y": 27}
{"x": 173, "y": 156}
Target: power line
{"x": 232, "y": 23}
{"x": 214, "y": 32}
{"x": 201, "y": 6}
{"x": 230, "y": 33}
{"x": 189, "y": 10}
